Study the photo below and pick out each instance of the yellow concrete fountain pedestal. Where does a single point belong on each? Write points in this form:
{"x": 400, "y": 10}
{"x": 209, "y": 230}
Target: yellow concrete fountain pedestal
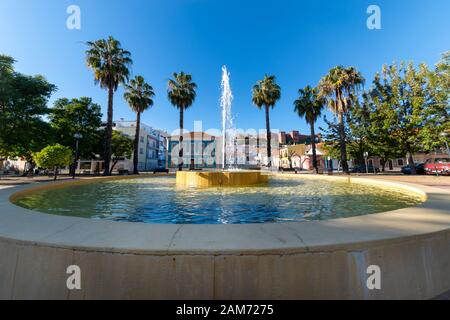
{"x": 201, "y": 179}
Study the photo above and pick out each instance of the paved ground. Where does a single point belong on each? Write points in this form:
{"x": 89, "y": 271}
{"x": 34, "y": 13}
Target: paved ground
{"x": 17, "y": 180}
{"x": 432, "y": 181}
{"x": 25, "y": 180}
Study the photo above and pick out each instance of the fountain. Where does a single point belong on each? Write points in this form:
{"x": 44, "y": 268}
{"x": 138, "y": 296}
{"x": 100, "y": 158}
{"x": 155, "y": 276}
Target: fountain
{"x": 228, "y": 132}
{"x": 229, "y": 175}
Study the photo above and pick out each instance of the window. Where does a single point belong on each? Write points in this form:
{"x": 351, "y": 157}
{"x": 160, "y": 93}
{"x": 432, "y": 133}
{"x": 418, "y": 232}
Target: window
{"x": 400, "y": 162}
{"x": 141, "y": 151}
{"x": 142, "y": 139}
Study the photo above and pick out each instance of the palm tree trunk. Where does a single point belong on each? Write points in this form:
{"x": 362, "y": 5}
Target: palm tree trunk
{"x": 180, "y": 159}
{"x": 313, "y": 145}
{"x": 109, "y": 124}
{"x": 269, "y": 139}
{"x": 136, "y": 144}
{"x": 342, "y": 144}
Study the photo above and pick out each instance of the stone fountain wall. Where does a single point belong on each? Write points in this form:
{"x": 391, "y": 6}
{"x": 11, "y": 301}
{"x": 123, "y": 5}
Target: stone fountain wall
{"x": 220, "y": 179}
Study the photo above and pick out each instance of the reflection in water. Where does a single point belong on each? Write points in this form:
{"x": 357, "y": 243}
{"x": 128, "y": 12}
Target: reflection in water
{"x": 156, "y": 200}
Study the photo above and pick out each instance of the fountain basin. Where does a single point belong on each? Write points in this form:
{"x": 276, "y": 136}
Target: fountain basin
{"x": 200, "y": 179}
{"x": 298, "y": 260}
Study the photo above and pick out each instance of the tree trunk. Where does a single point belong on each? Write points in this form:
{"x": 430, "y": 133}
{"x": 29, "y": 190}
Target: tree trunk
{"x": 313, "y": 145}
{"x": 109, "y": 124}
{"x": 411, "y": 162}
{"x": 383, "y": 165}
{"x": 342, "y": 144}
{"x": 29, "y": 171}
{"x": 180, "y": 154}
{"x": 56, "y": 174}
{"x": 112, "y": 167}
{"x": 269, "y": 139}
{"x": 136, "y": 144}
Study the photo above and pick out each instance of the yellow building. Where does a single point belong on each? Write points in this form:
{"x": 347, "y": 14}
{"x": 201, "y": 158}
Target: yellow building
{"x": 291, "y": 156}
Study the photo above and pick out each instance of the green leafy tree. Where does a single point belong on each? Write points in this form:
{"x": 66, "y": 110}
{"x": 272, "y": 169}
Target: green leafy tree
{"x": 6, "y": 80}
{"x": 79, "y": 115}
{"x": 339, "y": 87}
{"x": 400, "y": 94}
{"x": 110, "y": 64}
{"x": 366, "y": 125}
{"x": 267, "y": 92}
{"x": 53, "y": 157}
{"x": 309, "y": 106}
{"x": 332, "y": 135}
{"x": 6, "y": 64}
{"x": 358, "y": 137}
{"x": 437, "y": 111}
{"x": 181, "y": 93}
{"x": 374, "y": 122}
{"x": 356, "y": 122}
{"x": 23, "y": 104}
{"x": 139, "y": 96}
{"x": 122, "y": 147}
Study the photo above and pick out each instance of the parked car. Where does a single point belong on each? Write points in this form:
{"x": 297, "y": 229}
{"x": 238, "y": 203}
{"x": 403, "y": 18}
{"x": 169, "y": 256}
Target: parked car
{"x": 419, "y": 169}
{"x": 160, "y": 169}
{"x": 437, "y": 166}
{"x": 362, "y": 169}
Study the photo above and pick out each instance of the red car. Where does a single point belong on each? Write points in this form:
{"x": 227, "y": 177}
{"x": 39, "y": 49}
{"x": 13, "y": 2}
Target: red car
{"x": 437, "y": 166}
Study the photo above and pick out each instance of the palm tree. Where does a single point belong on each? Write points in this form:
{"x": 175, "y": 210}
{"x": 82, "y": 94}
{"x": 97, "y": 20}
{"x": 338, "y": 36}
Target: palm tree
{"x": 181, "y": 94}
{"x": 110, "y": 64}
{"x": 309, "y": 106}
{"x": 139, "y": 95}
{"x": 266, "y": 93}
{"x": 339, "y": 87}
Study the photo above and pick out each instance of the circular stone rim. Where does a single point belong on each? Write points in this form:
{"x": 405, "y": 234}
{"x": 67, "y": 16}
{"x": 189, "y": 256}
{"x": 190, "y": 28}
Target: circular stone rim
{"x": 23, "y": 225}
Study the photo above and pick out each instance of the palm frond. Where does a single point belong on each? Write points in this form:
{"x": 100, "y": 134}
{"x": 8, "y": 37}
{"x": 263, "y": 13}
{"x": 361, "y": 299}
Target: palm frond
{"x": 139, "y": 94}
{"x": 266, "y": 92}
{"x": 181, "y": 91}
{"x": 110, "y": 63}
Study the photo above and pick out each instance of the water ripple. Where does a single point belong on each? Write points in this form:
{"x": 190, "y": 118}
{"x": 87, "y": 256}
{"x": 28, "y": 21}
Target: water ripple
{"x": 157, "y": 200}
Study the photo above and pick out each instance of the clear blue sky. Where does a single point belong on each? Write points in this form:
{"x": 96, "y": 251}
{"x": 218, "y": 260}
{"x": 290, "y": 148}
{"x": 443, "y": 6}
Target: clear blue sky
{"x": 298, "y": 41}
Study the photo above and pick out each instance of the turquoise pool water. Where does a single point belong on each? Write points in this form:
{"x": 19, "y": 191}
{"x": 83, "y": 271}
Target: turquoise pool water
{"x": 158, "y": 200}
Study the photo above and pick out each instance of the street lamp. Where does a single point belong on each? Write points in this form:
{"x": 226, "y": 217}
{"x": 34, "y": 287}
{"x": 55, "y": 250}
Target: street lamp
{"x": 445, "y": 135}
{"x": 77, "y": 137}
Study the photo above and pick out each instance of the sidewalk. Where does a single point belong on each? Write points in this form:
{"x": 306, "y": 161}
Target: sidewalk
{"x": 17, "y": 180}
{"x": 426, "y": 180}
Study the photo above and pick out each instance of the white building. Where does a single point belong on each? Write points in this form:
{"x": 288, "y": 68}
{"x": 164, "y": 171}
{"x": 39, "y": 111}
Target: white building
{"x": 152, "y": 149}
